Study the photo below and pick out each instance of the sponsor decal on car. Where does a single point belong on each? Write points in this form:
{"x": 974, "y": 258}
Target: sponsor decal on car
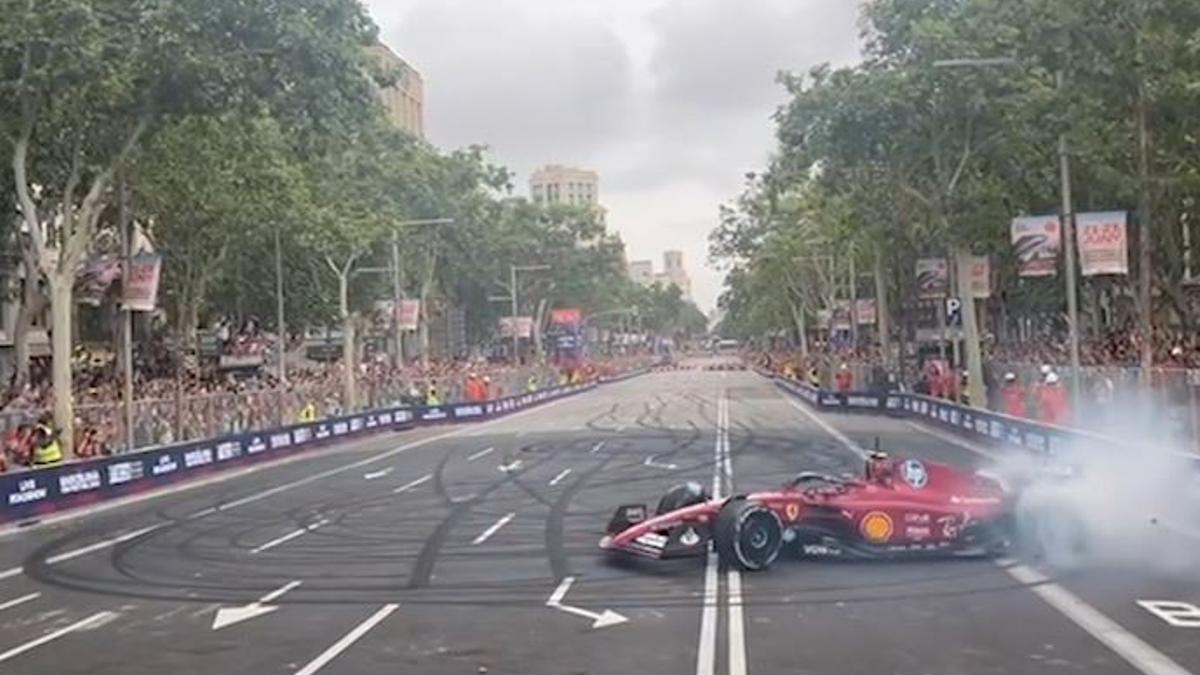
{"x": 124, "y": 472}
{"x": 792, "y": 511}
{"x": 958, "y": 499}
{"x": 80, "y": 481}
{"x": 820, "y": 549}
{"x": 917, "y": 518}
{"x": 877, "y": 527}
{"x": 917, "y": 532}
{"x": 948, "y": 526}
{"x": 28, "y": 491}
{"x": 914, "y": 473}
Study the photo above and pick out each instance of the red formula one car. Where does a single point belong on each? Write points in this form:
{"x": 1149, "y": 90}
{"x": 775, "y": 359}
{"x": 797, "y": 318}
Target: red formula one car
{"x": 900, "y": 507}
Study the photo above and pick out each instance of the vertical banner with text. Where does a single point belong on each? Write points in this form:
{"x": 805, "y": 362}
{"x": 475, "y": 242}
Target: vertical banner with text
{"x": 933, "y": 278}
{"x": 1103, "y": 243}
{"x": 408, "y": 314}
{"x": 141, "y": 288}
{"x": 979, "y": 276}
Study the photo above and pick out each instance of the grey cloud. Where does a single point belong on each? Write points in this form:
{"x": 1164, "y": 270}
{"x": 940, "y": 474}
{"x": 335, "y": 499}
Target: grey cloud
{"x": 537, "y": 86}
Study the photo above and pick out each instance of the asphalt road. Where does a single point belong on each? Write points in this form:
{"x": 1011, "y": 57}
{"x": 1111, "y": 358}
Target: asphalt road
{"x": 473, "y": 549}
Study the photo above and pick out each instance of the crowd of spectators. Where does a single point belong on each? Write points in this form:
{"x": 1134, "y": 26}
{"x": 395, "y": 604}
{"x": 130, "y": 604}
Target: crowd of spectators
{"x": 1170, "y": 349}
{"x": 171, "y": 407}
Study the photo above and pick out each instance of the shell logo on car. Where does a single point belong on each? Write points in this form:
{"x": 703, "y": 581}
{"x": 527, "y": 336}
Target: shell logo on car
{"x": 877, "y": 527}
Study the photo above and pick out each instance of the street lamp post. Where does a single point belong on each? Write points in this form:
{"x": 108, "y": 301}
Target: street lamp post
{"x": 1068, "y": 213}
{"x": 512, "y": 293}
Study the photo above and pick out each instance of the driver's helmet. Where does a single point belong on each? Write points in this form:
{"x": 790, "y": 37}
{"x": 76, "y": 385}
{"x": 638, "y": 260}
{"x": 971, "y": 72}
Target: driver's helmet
{"x": 879, "y": 468}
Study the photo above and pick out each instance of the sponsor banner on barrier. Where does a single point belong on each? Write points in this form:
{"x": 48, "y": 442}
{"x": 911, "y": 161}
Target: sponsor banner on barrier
{"x": 54, "y": 488}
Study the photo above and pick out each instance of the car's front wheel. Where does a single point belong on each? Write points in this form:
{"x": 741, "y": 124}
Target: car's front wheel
{"x": 747, "y": 535}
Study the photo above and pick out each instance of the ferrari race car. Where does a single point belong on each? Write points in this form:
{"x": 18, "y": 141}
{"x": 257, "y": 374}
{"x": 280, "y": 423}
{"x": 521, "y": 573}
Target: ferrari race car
{"x": 899, "y": 507}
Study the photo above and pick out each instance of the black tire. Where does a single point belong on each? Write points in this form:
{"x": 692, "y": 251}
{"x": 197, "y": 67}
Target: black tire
{"x": 747, "y": 536}
{"x": 1058, "y": 537}
{"x": 684, "y": 494}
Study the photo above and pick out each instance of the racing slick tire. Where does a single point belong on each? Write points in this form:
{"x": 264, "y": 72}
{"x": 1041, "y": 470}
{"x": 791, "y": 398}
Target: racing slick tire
{"x": 679, "y": 496}
{"x": 747, "y": 535}
{"x": 1057, "y": 536}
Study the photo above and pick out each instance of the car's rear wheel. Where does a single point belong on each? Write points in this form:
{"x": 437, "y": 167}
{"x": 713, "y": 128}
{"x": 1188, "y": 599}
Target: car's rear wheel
{"x": 747, "y": 535}
{"x": 684, "y": 494}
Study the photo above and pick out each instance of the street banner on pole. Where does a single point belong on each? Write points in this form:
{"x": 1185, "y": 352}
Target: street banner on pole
{"x": 866, "y": 312}
{"x": 141, "y": 288}
{"x": 1037, "y": 240}
{"x": 1103, "y": 243}
{"x": 841, "y": 316}
{"x": 98, "y": 275}
{"x": 566, "y": 317}
{"x": 408, "y": 314}
{"x": 933, "y": 278}
{"x": 523, "y": 325}
{"x": 980, "y": 277}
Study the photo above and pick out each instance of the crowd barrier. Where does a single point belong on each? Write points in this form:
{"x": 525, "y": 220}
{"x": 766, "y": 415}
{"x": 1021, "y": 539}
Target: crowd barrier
{"x": 30, "y": 494}
{"x": 981, "y": 425}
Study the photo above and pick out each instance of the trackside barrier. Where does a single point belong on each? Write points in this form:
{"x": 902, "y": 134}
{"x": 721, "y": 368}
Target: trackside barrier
{"x": 980, "y": 425}
{"x": 29, "y": 494}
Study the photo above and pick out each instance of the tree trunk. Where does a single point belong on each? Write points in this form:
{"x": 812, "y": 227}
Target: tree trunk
{"x": 33, "y": 303}
{"x": 974, "y": 357}
{"x": 349, "y": 363}
{"x": 883, "y": 319}
{"x": 61, "y": 301}
{"x": 1145, "y": 260}
{"x": 801, "y": 329}
{"x": 538, "y": 319}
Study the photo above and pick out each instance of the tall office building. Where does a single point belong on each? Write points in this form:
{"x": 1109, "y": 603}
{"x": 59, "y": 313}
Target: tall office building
{"x": 404, "y": 101}
{"x": 557, "y": 184}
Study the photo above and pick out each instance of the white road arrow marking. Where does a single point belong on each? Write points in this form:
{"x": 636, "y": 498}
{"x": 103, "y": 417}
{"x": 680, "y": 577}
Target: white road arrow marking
{"x": 408, "y": 486}
{"x": 377, "y": 474}
{"x": 289, "y": 536}
{"x": 227, "y": 616}
{"x": 656, "y": 465}
{"x": 561, "y": 475}
{"x": 601, "y": 620}
{"x": 511, "y": 466}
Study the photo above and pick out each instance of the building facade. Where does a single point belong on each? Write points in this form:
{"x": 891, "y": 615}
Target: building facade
{"x": 403, "y": 101}
{"x": 673, "y": 274}
{"x": 557, "y": 184}
{"x": 642, "y": 272}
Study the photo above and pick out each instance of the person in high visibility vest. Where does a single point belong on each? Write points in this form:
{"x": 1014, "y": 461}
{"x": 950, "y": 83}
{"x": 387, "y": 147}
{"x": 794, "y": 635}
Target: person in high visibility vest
{"x": 308, "y": 413}
{"x": 532, "y": 385}
{"x": 46, "y": 449}
{"x": 431, "y": 395}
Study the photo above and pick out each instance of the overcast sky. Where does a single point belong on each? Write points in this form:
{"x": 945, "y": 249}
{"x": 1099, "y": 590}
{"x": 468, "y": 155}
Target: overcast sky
{"x": 669, "y": 100}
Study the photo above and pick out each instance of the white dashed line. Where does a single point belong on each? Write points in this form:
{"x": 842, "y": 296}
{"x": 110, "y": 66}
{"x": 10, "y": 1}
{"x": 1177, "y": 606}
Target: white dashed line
{"x": 482, "y": 453}
{"x": 290, "y": 536}
{"x": 100, "y": 545}
{"x": 561, "y": 475}
{"x": 412, "y": 484}
{"x": 378, "y": 474}
{"x": 19, "y": 601}
{"x": 347, "y": 640}
{"x": 97, "y": 618}
{"x": 597, "y": 447}
{"x": 11, "y": 572}
{"x": 487, "y": 534}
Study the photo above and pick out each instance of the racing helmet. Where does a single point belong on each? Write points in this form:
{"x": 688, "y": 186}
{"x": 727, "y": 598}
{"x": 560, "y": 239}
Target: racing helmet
{"x": 878, "y": 468}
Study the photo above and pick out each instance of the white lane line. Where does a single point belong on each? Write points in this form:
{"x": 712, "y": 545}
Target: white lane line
{"x": 706, "y": 652}
{"x": 97, "y": 618}
{"x": 289, "y": 536}
{"x": 850, "y": 445}
{"x": 737, "y": 625}
{"x": 650, "y": 462}
{"x": 482, "y": 453}
{"x": 347, "y": 640}
{"x": 100, "y": 545}
{"x": 1140, "y": 654}
{"x": 1128, "y": 646}
{"x": 11, "y": 572}
{"x": 19, "y": 601}
{"x": 487, "y": 534}
{"x": 596, "y": 448}
{"x": 561, "y": 475}
{"x": 378, "y": 474}
{"x": 412, "y": 484}
{"x": 203, "y": 512}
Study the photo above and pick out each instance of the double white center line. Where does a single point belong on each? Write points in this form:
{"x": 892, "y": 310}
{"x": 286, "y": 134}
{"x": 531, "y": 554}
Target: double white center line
{"x": 706, "y": 653}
